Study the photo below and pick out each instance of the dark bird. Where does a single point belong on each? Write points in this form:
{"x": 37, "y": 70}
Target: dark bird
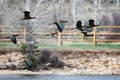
{"x": 60, "y": 25}
{"x": 88, "y": 27}
{"x": 13, "y": 38}
{"x": 53, "y": 34}
{"x": 90, "y": 23}
{"x": 79, "y": 24}
{"x": 27, "y": 15}
{"x": 80, "y": 27}
{"x": 29, "y": 63}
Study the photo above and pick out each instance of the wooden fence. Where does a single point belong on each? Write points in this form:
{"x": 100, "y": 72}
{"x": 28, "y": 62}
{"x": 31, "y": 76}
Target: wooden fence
{"x": 94, "y": 38}
{"x": 64, "y": 36}
{"x": 9, "y": 30}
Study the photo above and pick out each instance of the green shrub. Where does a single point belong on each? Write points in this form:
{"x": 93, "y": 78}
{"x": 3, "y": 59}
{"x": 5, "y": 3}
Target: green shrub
{"x": 24, "y": 51}
{"x": 23, "y": 48}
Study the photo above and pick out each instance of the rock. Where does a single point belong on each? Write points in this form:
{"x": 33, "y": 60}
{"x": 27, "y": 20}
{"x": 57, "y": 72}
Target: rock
{"x": 12, "y": 66}
{"x": 48, "y": 64}
{"x": 9, "y": 59}
{"x": 75, "y": 70}
{"x": 3, "y": 66}
{"x": 113, "y": 59}
{"x": 65, "y": 67}
{"x": 21, "y": 66}
{"x": 114, "y": 62}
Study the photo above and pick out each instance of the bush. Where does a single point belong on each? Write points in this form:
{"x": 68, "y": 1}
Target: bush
{"x": 45, "y": 55}
{"x": 24, "y": 51}
{"x": 23, "y": 48}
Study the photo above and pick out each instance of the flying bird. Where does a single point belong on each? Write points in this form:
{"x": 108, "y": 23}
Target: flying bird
{"x": 60, "y": 25}
{"x": 27, "y": 16}
{"x": 90, "y": 23}
{"x": 13, "y": 38}
{"x": 53, "y": 34}
{"x": 80, "y": 27}
{"x": 88, "y": 27}
{"x": 29, "y": 63}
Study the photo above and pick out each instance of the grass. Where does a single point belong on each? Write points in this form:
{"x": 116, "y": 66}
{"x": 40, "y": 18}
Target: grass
{"x": 89, "y": 46}
{"x": 69, "y": 46}
{"x": 7, "y": 45}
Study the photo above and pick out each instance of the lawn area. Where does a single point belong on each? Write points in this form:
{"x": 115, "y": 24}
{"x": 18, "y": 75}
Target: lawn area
{"x": 69, "y": 46}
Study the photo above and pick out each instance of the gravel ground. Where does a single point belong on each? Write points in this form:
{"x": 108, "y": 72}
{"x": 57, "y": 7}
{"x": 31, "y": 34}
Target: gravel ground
{"x": 84, "y": 62}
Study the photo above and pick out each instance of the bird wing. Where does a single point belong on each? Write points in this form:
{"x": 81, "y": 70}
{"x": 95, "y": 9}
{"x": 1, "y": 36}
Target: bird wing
{"x": 88, "y": 29}
{"x": 29, "y": 62}
{"x": 53, "y": 35}
{"x": 59, "y": 28}
{"x": 79, "y": 24}
{"x": 13, "y": 39}
{"x": 15, "y": 35}
{"x": 61, "y": 24}
{"x": 91, "y": 23}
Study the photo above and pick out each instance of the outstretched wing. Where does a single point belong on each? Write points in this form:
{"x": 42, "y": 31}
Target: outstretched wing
{"x": 91, "y": 23}
{"x": 79, "y": 24}
{"x": 13, "y": 39}
{"x": 60, "y": 28}
{"x": 61, "y": 24}
{"x": 28, "y": 62}
{"x": 88, "y": 29}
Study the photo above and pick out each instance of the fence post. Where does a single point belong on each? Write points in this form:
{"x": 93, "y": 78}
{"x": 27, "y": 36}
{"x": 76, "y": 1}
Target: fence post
{"x": 0, "y": 32}
{"x": 83, "y": 36}
{"x": 25, "y": 33}
{"x": 59, "y": 39}
{"x": 94, "y": 37}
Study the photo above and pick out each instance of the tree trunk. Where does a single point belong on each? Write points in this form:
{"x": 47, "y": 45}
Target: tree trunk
{"x": 29, "y": 39}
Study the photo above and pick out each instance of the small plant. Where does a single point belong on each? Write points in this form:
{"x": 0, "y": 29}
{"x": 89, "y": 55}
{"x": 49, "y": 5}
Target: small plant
{"x": 31, "y": 60}
{"x": 34, "y": 61}
{"x": 23, "y": 48}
